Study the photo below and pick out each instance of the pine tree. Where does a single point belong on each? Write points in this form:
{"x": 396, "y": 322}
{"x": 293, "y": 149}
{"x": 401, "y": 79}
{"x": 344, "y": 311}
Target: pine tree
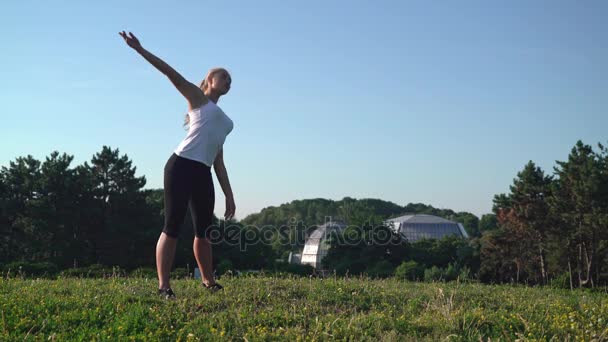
{"x": 579, "y": 203}
{"x": 121, "y": 204}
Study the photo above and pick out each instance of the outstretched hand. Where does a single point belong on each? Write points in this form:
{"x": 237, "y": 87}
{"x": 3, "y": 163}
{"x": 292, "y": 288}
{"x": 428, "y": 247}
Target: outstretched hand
{"x": 131, "y": 40}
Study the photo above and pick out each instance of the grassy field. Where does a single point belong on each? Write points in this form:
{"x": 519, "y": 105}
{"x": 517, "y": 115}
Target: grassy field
{"x": 269, "y": 308}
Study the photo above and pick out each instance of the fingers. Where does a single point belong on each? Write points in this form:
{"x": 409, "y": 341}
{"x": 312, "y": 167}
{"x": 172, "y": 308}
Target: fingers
{"x": 229, "y": 214}
{"x": 128, "y": 36}
{"x": 124, "y": 36}
{"x": 230, "y": 209}
{"x": 133, "y": 37}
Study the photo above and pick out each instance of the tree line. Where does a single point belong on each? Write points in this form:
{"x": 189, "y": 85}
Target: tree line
{"x": 96, "y": 213}
{"x": 552, "y": 225}
{"x": 546, "y": 227}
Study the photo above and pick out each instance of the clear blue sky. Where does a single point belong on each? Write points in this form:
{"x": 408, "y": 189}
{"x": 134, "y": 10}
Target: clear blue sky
{"x": 408, "y": 101}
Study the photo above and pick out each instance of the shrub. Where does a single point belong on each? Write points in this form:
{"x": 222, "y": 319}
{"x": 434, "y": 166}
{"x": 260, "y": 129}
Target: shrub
{"x": 561, "y": 281}
{"x": 223, "y": 266}
{"x": 465, "y": 274}
{"x": 409, "y": 270}
{"x": 451, "y": 272}
{"x": 180, "y": 273}
{"x": 31, "y": 269}
{"x": 433, "y": 274}
{"x": 381, "y": 269}
{"x": 297, "y": 269}
{"x": 92, "y": 271}
{"x": 143, "y": 272}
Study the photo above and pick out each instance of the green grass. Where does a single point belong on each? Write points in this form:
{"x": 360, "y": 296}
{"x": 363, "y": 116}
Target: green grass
{"x": 268, "y": 308}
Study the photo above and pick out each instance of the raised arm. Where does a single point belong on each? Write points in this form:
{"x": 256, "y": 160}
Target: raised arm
{"x": 191, "y": 92}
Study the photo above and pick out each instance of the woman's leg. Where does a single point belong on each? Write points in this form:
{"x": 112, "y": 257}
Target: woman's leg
{"x": 177, "y": 183}
{"x": 204, "y": 257}
{"x": 165, "y": 254}
{"x": 202, "y": 204}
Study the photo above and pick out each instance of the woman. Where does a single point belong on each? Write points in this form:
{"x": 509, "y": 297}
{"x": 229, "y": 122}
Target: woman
{"x": 187, "y": 178}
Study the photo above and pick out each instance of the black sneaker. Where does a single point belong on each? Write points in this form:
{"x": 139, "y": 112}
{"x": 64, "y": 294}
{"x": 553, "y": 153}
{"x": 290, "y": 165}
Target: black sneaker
{"x": 166, "y": 293}
{"x": 213, "y": 287}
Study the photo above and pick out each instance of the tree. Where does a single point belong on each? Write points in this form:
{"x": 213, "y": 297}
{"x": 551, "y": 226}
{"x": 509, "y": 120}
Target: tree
{"x": 469, "y": 221}
{"x": 530, "y": 209}
{"x": 57, "y": 209}
{"x": 21, "y": 185}
{"x": 579, "y": 202}
{"x": 121, "y": 207}
{"x": 522, "y": 217}
{"x": 450, "y": 249}
{"x": 4, "y": 222}
{"x": 488, "y": 222}
{"x": 602, "y": 212}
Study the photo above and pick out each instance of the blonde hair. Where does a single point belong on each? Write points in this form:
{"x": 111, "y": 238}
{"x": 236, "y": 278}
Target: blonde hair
{"x": 204, "y": 84}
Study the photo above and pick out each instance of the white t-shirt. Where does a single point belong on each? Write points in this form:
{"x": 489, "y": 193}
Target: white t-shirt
{"x": 208, "y": 128}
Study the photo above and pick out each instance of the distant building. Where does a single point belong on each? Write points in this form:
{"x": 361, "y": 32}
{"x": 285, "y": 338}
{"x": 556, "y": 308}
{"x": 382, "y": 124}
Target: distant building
{"x": 411, "y": 227}
{"x": 420, "y": 226}
{"x": 317, "y": 246}
{"x": 294, "y": 258}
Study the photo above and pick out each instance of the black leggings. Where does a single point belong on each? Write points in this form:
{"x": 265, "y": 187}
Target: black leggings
{"x": 188, "y": 182}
